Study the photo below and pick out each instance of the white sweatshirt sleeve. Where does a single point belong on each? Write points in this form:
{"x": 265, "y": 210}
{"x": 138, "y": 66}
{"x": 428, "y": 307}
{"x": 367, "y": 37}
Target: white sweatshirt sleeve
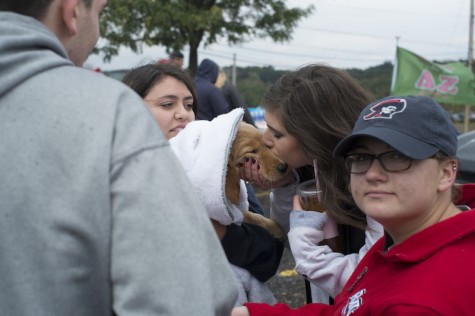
{"x": 319, "y": 264}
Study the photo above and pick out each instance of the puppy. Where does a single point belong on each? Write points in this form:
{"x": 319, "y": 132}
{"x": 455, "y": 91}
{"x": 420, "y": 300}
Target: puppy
{"x": 248, "y": 144}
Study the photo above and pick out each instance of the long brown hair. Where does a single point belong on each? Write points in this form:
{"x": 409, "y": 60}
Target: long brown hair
{"x": 319, "y": 105}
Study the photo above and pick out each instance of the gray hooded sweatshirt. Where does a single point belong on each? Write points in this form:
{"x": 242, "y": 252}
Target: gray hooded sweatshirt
{"x": 97, "y": 216}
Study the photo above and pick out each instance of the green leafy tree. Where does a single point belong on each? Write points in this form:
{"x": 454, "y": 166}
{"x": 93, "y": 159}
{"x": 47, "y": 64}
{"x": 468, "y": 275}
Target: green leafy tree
{"x": 252, "y": 89}
{"x": 252, "y": 82}
{"x": 177, "y": 23}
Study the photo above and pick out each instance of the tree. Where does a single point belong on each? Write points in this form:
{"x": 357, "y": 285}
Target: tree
{"x": 177, "y": 23}
{"x": 376, "y": 79}
{"x": 252, "y": 82}
{"x": 252, "y": 89}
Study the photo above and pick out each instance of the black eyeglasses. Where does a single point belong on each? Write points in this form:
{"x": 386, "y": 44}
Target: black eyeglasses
{"x": 391, "y": 161}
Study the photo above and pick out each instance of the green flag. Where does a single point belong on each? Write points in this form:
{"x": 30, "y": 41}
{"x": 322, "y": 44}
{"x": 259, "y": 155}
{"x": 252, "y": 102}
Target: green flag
{"x": 451, "y": 83}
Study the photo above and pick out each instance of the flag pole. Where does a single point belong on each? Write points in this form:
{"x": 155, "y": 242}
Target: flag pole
{"x": 469, "y": 65}
{"x": 393, "y": 77}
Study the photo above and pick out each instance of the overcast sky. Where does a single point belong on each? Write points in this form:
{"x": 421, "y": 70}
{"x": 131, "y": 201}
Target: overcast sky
{"x": 342, "y": 33}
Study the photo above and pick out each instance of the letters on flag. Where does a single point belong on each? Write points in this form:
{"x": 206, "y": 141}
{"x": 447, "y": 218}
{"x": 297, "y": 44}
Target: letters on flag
{"x": 451, "y": 83}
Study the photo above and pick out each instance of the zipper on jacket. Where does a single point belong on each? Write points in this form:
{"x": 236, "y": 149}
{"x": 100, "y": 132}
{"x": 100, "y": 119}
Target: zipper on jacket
{"x": 360, "y": 276}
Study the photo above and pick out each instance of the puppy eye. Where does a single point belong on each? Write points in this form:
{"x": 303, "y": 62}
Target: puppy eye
{"x": 254, "y": 151}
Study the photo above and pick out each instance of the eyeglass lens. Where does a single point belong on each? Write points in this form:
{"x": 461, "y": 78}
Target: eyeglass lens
{"x": 391, "y": 161}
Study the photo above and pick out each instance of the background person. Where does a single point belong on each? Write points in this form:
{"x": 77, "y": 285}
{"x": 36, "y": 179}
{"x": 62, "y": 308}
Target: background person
{"x": 402, "y": 173}
{"x": 211, "y": 99}
{"x": 177, "y": 58}
{"x": 91, "y": 223}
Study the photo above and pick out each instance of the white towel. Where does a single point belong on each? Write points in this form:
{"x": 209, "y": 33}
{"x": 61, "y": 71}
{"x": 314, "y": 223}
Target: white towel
{"x": 203, "y": 148}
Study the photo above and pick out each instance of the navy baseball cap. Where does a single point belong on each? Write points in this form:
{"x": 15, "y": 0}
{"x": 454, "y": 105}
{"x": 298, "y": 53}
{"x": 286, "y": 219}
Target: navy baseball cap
{"x": 416, "y": 126}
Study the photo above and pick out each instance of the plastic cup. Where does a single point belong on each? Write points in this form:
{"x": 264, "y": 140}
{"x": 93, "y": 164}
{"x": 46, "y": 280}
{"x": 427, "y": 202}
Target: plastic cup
{"x": 309, "y": 196}
{"x": 310, "y": 200}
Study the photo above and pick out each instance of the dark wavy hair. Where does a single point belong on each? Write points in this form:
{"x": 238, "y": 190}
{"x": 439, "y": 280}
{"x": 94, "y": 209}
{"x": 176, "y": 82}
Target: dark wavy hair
{"x": 319, "y": 106}
{"x": 143, "y": 78}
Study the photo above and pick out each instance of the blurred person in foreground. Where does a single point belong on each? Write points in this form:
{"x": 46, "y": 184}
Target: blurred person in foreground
{"x": 91, "y": 223}
{"x": 402, "y": 164}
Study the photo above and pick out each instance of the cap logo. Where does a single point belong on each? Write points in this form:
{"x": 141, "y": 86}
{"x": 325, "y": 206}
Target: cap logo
{"x": 386, "y": 109}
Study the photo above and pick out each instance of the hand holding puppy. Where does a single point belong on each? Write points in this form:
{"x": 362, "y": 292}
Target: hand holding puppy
{"x": 250, "y": 171}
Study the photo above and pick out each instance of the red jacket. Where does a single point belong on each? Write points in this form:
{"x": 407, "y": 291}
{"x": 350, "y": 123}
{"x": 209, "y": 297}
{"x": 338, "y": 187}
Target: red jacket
{"x": 430, "y": 273}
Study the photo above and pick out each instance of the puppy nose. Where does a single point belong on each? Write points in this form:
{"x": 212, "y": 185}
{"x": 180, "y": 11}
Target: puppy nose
{"x": 282, "y": 168}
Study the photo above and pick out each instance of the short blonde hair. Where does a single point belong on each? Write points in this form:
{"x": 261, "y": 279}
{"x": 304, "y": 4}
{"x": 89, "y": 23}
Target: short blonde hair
{"x": 221, "y": 79}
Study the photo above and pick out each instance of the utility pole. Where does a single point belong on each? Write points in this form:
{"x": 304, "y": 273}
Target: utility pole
{"x": 234, "y": 68}
{"x": 469, "y": 65}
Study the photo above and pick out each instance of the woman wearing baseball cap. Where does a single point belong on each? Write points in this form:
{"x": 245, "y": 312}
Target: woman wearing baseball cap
{"x": 402, "y": 164}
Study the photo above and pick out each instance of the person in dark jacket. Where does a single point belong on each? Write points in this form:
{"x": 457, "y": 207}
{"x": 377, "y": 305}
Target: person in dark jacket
{"x": 211, "y": 100}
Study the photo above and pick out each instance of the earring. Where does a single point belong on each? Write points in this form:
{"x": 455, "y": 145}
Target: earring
{"x": 454, "y": 166}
